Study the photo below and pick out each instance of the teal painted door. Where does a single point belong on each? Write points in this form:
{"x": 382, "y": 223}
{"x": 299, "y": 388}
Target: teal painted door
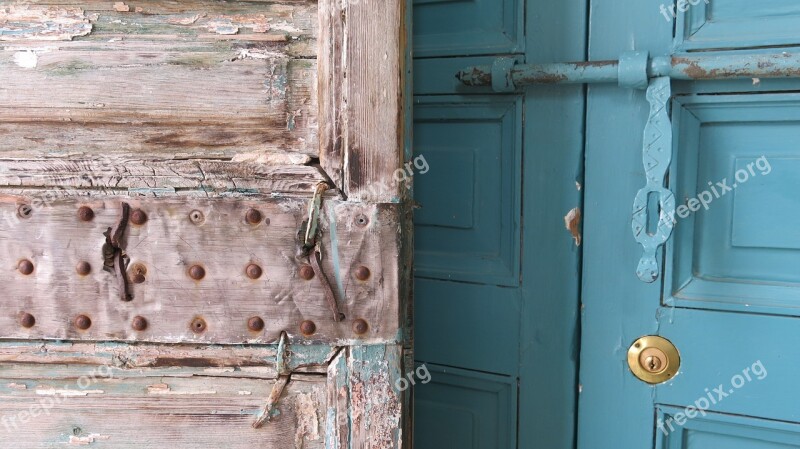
{"x": 497, "y": 273}
{"x": 728, "y": 288}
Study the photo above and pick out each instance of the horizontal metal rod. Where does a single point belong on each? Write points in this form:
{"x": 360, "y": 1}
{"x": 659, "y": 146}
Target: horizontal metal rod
{"x": 782, "y": 65}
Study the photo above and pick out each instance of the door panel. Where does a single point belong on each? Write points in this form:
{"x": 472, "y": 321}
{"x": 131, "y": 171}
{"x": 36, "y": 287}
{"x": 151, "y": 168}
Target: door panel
{"x": 467, "y": 228}
{"x": 467, "y": 27}
{"x": 738, "y": 253}
{"x": 481, "y": 406}
{"x": 728, "y": 431}
{"x": 717, "y": 24}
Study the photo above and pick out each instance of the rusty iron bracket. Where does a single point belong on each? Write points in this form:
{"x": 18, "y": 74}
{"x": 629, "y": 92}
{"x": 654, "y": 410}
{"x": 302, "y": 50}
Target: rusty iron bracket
{"x": 284, "y": 374}
{"x": 310, "y": 249}
{"x": 114, "y": 258}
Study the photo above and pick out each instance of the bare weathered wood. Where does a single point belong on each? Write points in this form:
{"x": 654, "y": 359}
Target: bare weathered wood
{"x": 257, "y": 361}
{"x": 115, "y": 174}
{"x": 210, "y": 233}
{"x": 58, "y": 406}
{"x": 362, "y": 76}
{"x": 156, "y": 77}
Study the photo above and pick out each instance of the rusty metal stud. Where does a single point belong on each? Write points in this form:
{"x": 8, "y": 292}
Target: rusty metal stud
{"x": 25, "y": 211}
{"x": 306, "y": 271}
{"x": 198, "y": 325}
{"x": 308, "y": 327}
{"x": 255, "y": 324}
{"x": 25, "y": 266}
{"x": 138, "y": 272}
{"x": 83, "y": 268}
{"x": 253, "y": 216}
{"x": 360, "y": 326}
{"x": 362, "y": 273}
{"x": 138, "y": 217}
{"x": 83, "y": 322}
{"x": 27, "y": 320}
{"x": 139, "y": 323}
{"x": 253, "y": 271}
{"x": 197, "y": 272}
{"x": 85, "y": 213}
{"x": 197, "y": 217}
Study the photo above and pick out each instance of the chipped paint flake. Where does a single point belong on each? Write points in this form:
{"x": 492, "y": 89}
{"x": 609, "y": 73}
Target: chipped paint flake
{"x": 121, "y": 7}
{"x": 88, "y": 439}
{"x": 43, "y": 23}
{"x": 27, "y": 59}
{"x": 16, "y": 386}
{"x": 222, "y": 26}
{"x": 572, "y": 221}
{"x": 65, "y": 392}
{"x": 165, "y": 390}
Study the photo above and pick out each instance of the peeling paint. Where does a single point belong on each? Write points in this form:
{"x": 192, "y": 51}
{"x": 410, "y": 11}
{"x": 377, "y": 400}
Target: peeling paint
{"x": 27, "y": 59}
{"x": 66, "y": 393}
{"x": 307, "y": 420}
{"x": 88, "y": 439}
{"x": 121, "y": 7}
{"x": 572, "y": 221}
{"x": 165, "y": 390}
{"x": 43, "y": 23}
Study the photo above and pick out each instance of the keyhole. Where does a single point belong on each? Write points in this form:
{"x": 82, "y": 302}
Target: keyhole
{"x": 652, "y": 364}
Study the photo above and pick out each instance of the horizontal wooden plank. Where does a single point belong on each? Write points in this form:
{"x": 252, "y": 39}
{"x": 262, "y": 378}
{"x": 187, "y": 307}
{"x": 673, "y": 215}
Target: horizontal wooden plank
{"x": 257, "y": 361}
{"x": 59, "y": 406}
{"x": 158, "y": 77}
{"x": 180, "y": 233}
{"x": 261, "y": 174}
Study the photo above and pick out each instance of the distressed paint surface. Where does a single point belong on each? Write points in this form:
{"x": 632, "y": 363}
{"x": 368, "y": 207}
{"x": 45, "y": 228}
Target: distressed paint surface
{"x": 159, "y": 77}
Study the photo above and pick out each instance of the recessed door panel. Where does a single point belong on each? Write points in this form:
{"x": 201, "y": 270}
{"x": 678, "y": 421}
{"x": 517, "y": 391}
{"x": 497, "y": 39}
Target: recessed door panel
{"x": 735, "y": 177}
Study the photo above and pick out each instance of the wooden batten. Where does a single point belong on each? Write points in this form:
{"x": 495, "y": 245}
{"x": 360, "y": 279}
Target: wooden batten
{"x": 362, "y": 76}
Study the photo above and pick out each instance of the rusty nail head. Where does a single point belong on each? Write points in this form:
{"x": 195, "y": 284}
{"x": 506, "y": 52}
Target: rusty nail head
{"x": 360, "y": 326}
{"x": 83, "y": 322}
{"x": 197, "y": 217}
{"x": 306, "y": 272}
{"x": 308, "y": 327}
{"x": 85, "y": 213}
{"x": 139, "y": 323}
{"x": 138, "y": 272}
{"x": 253, "y": 271}
{"x": 253, "y": 216}
{"x": 25, "y": 266}
{"x": 197, "y": 272}
{"x": 362, "y": 273}
{"x": 255, "y": 324}
{"x": 83, "y": 268}
{"x": 27, "y": 320}
{"x": 198, "y": 325}
{"x": 25, "y": 211}
{"x": 138, "y": 278}
{"x": 138, "y": 217}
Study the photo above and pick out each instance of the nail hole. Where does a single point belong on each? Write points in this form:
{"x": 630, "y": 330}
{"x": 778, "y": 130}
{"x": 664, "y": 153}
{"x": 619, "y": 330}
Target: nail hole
{"x": 25, "y": 211}
{"x": 362, "y": 220}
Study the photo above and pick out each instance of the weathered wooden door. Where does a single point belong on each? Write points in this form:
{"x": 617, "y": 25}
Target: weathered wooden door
{"x": 202, "y": 244}
{"x": 724, "y": 287}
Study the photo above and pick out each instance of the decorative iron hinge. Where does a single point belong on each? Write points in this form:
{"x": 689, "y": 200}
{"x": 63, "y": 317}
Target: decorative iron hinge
{"x": 636, "y": 70}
